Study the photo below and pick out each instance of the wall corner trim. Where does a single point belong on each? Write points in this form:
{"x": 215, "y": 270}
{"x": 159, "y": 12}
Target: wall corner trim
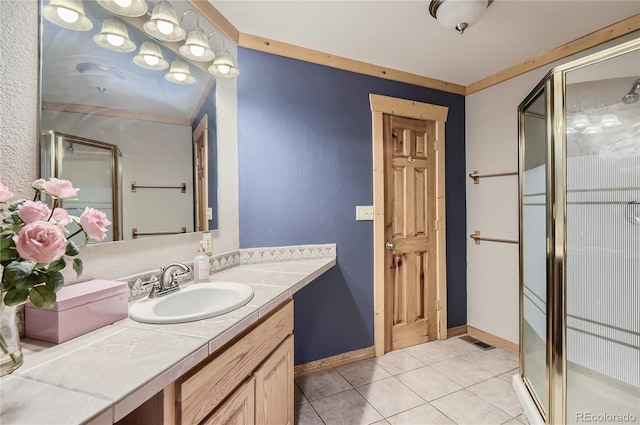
{"x": 588, "y": 41}
{"x": 210, "y": 12}
{"x": 279, "y": 48}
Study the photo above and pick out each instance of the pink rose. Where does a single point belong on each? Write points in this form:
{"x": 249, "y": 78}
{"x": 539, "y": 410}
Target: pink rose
{"x": 59, "y": 188}
{"x": 38, "y": 184}
{"x": 94, "y": 223}
{"x": 5, "y": 193}
{"x": 32, "y": 211}
{"x": 41, "y": 242}
{"x": 61, "y": 217}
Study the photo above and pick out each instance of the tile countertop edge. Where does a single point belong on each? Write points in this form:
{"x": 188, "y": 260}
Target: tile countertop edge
{"x": 122, "y": 406}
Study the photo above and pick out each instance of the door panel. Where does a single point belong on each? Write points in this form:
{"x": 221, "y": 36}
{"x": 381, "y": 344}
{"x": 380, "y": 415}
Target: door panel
{"x": 410, "y": 280}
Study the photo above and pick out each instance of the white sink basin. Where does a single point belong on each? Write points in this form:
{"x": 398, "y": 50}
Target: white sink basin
{"x": 194, "y": 302}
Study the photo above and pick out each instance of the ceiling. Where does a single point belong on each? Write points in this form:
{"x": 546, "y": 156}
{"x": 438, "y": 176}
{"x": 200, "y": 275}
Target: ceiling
{"x": 402, "y": 35}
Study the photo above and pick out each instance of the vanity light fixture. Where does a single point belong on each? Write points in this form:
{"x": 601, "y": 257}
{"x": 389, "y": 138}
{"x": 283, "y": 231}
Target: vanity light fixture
{"x": 164, "y": 24}
{"x": 580, "y": 121}
{"x": 150, "y": 57}
{"x": 179, "y": 73}
{"x": 67, "y": 14}
{"x": 458, "y": 14}
{"x": 129, "y": 8}
{"x": 223, "y": 66}
{"x": 609, "y": 120}
{"x": 196, "y": 48}
{"x": 114, "y": 36}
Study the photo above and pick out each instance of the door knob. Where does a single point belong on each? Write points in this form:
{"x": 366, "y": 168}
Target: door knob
{"x": 390, "y": 246}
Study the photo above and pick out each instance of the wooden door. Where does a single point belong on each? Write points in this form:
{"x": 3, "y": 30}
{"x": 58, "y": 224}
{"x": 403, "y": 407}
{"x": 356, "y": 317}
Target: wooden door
{"x": 201, "y": 170}
{"x": 239, "y": 409}
{"x": 274, "y": 386}
{"x": 410, "y": 213}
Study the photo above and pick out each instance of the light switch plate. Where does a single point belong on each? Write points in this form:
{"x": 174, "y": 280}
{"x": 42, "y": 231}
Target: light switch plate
{"x": 364, "y": 213}
{"x": 209, "y": 213}
{"x": 206, "y": 242}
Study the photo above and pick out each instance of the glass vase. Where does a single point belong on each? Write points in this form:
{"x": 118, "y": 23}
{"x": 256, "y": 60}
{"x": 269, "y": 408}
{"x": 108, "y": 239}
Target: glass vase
{"x": 9, "y": 340}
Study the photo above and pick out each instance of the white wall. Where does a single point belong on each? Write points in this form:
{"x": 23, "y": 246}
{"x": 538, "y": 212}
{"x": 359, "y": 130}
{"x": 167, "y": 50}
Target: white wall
{"x": 19, "y": 163}
{"x": 153, "y": 153}
{"x": 492, "y": 206}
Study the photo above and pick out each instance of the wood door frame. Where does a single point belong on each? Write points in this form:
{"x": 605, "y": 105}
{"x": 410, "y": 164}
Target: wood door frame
{"x": 201, "y": 205}
{"x": 405, "y": 108}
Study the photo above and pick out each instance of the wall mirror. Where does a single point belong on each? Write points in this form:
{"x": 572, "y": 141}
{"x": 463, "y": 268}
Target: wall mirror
{"x": 128, "y": 114}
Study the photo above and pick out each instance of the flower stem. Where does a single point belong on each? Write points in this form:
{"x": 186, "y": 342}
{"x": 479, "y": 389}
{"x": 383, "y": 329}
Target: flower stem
{"x": 75, "y": 233}
{"x": 5, "y": 349}
{"x": 55, "y": 205}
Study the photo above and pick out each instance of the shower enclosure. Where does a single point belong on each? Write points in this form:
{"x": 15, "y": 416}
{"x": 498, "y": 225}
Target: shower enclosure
{"x": 579, "y": 176}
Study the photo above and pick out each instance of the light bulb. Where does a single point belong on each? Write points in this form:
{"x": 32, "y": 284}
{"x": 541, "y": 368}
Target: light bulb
{"x": 196, "y": 50}
{"x": 151, "y": 60}
{"x": 123, "y": 3}
{"x": 67, "y": 15}
{"x": 179, "y": 76}
{"x": 224, "y": 69}
{"x": 165, "y": 27}
{"x": 115, "y": 40}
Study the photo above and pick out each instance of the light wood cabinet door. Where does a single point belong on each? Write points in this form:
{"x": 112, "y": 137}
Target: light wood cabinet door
{"x": 274, "y": 387}
{"x": 239, "y": 409}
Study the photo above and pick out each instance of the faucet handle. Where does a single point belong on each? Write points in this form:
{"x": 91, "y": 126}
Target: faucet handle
{"x": 153, "y": 281}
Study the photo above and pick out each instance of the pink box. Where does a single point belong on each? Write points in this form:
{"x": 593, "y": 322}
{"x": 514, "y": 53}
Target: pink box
{"x": 79, "y": 309}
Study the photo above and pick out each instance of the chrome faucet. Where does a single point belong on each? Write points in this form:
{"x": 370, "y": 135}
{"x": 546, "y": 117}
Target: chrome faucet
{"x": 168, "y": 282}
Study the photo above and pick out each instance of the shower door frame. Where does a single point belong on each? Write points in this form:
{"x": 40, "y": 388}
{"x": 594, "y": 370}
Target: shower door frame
{"x": 554, "y": 84}
{"x": 55, "y": 144}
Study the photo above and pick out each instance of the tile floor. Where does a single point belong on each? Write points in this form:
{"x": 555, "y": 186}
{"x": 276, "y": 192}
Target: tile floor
{"x": 439, "y": 382}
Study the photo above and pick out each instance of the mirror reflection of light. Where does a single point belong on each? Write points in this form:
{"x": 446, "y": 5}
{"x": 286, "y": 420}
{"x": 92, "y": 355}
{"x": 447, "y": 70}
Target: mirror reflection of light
{"x": 224, "y": 69}
{"x": 151, "y": 60}
{"x": 67, "y": 15}
{"x": 592, "y": 129}
{"x": 165, "y": 27}
{"x": 115, "y": 40}
{"x": 197, "y": 50}
{"x": 123, "y": 3}
{"x": 180, "y": 76}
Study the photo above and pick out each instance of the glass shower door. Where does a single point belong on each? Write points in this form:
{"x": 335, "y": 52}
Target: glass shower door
{"x": 533, "y": 245}
{"x": 603, "y": 242}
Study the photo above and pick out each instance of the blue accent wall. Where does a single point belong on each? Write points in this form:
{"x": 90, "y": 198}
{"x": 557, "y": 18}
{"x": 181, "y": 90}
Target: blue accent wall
{"x": 305, "y": 162}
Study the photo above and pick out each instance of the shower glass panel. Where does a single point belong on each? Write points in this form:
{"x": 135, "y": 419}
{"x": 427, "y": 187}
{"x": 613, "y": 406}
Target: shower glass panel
{"x": 579, "y": 175}
{"x": 603, "y": 242}
{"x": 90, "y": 165}
{"x": 534, "y": 249}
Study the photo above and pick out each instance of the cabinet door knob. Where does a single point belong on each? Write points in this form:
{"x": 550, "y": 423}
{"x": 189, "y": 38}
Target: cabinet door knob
{"x": 390, "y": 246}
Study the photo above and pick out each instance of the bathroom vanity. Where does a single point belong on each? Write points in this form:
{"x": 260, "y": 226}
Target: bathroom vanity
{"x": 236, "y": 367}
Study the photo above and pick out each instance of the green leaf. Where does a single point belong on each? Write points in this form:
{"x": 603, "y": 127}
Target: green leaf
{"x": 54, "y": 281}
{"x": 77, "y": 266}
{"x": 16, "y": 296}
{"x": 72, "y": 249}
{"x": 8, "y": 254}
{"x": 57, "y": 265}
{"x": 18, "y": 271}
{"x": 42, "y": 296}
{"x": 6, "y": 241}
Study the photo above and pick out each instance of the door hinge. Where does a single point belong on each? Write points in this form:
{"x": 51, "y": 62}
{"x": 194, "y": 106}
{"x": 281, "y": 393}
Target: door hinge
{"x": 438, "y": 306}
{"x": 435, "y": 146}
{"x": 437, "y": 225}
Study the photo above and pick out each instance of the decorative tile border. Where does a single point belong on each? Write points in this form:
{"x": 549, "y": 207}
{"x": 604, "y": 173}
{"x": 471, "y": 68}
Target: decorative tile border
{"x": 286, "y": 253}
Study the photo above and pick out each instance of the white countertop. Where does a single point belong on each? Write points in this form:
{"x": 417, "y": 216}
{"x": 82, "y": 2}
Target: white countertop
{"x": 100, "y": 377}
